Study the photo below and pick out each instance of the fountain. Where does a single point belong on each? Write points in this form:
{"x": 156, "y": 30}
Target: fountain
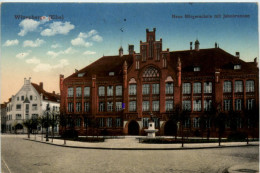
{"x": 151, "y": 128}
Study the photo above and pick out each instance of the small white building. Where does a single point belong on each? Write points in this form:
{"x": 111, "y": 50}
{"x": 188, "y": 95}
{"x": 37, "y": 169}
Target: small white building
{"x": 29, "y": 102}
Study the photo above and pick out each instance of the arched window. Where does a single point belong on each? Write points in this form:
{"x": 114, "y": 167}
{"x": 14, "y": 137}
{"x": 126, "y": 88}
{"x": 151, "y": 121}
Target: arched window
{"x": 151, "y": 74}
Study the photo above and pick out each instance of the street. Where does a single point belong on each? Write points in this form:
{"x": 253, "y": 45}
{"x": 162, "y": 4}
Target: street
{"x": 23, "y": 156}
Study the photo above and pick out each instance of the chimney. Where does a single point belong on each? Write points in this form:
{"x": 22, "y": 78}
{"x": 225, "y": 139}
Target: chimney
{"x": 131, "y": 49}
{"x": 53, "y": 92}
{"x": 41, "y": 85}
{"x": 121, "y": 51}
{"x": 197, "y": 45}
{"x": 191, "y": 45}
{"x": 237, "y": 54}
{"x": 216, "y": 45}
{"x": 255, "y": 61}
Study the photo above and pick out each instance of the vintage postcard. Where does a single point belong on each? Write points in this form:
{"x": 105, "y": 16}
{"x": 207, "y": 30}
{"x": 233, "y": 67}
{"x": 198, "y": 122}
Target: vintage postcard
{"x": 129, "y": 87}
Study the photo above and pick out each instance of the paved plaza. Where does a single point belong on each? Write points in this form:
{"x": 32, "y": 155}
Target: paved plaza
{"x": 25, "y": 156}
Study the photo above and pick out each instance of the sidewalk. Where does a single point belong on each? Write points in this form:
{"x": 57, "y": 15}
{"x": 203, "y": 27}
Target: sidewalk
{"x": 132, "y": 143}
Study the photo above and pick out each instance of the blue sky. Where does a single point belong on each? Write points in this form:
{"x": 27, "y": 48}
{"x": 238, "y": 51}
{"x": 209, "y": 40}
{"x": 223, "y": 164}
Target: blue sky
{"x": 43, "y": 49}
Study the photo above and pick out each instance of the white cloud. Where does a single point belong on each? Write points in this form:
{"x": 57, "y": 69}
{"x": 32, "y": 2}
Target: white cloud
{"x": 62, "y": 63}
{"x": 97, "y": 38}
{"x": 54, "y": 46}
{"x": 69, "y": 50}
{"x": 42, "y": 67}
{"x": 22, "y": 55}
{"x": 30, "y": 43}
{"x": 11, "y": 42}
{"x": 86, "y": 35}
{"x": 80, "y": 42}
{"x": 89, "y": 53}
{"x": 33, "y": 60}
{"x": 47, "y": 67}
{"x": 28, "y": 25}
{"x": 58, "y": 28}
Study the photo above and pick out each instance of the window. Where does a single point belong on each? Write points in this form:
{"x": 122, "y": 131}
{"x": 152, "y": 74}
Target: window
{"x": 186, "y": 123}
{"x": 101, "y": 106}
{"x": 86, "y": 122}
{"x": 101, "y": 91}
{"x": 81, "y": 74}
{"x": 86, "y": 91}
{"x": 156, "y": 88}
{"x": 137, "y": 66}
{"x": 78, "y": 122}
{"x": 196, "y": 69}
{"x": 196, "y": 105}
{"x": 146, "y": 89}
{"x": 207, "y": 105}
{"x": 109, "y": 90}
{"x": 86, "y": 106}
{"x": 207, "y": 87}
{"x": 156, "y": 122}
{"x": 18, "y": 107}
{"x": 143, "y": 53}
{"x": 18, "y": 116}
{"x": 31, "y": 97}
{"x": 101, "y": 122}
{"x": 238, "y": 104}
{"x": 250, "y": 104}
{"x": 197, "y": 88}
{"x": 227, "y": 105}
{"x": 17, "y": 98}
{"x": 34, "y": 107}
{"x": 239, "y": 123}
{"x": 250, "y": 86}
{"x": 34, "y": 116}
{"x": 169, "y": 88}
{"x": 109, "y": 122}
{"x": 237, "y": 67}
{"x": 118, "y": 122}
{"x": 145, "y": 105}
{"x": 27, "y": 106}
{"x": 156, "y": 105}
{"x": 186, "y": 88}
{"x": 118, "y": 106}
{"x": 186, "y": 105}
{"x": 22, "y": 98}
{"x": 119, "y": 90}
{"x": 169, "y": 105}
{"x": 78, "y": 92}
{"x": 227, "y": 87}
{"x": 70, "y": 107}
{"x": 109, "y": 106}
{"x": 132, "y": 106}
{"x": 151, "y": 72}
{"x": 196, "y": 123}
{"x": 70, "y": 92}
{"x": 238, "y": 86}
{"x": 111, "y": 73}
{"x": 132, "y": 89}
{"x": 145, "y": 122}
{"x": 78, "y": 107}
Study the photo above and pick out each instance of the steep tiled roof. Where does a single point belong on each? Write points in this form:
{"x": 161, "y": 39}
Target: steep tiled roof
{"x": 209, "y": 60}
{"x": 104, "y": 65}
{"x": 46, "y": 95}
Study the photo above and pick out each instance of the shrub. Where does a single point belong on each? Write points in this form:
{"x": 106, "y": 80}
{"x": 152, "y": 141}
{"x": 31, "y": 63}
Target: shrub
{"x": 237, "y": 136}
{"x": 70, "y": 134}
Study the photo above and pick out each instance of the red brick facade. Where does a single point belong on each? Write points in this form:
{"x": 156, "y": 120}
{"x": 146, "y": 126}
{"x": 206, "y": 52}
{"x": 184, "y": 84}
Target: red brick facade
{"x": 157, "y": 81}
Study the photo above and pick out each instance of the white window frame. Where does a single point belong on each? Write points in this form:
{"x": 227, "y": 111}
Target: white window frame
{"x": 207, "y": 87}
{"x": 146, "y": 89}
{"x": 169, "y": 88}
{"x": 156, "y": 105}
{"x": 238, "y": 86}
{"x": 186, "y": 88}
{"x": 156, "y": 88}
{"x": 132, "y": 89}
{"x": 146, "y": 105}
{"x": 227, "y": 87}
{"x": 132, "y": 106}
{"x": 119, "y": 90}
{"x": 196, "y": 105}
{"x": 110, "y": 90}
{"x": 196, "y": 88}
{"x": 70, "y": 92}
{"x": 250, "y": 86}
{"x": 101, "y": 91}
{"x": 86, "y": 91}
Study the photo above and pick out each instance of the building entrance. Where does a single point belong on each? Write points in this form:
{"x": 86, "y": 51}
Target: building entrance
{"x": 133, "y": 128}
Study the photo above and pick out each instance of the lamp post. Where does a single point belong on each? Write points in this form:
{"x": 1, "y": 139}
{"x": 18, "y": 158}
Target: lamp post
{"x": 47, "y": 123}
